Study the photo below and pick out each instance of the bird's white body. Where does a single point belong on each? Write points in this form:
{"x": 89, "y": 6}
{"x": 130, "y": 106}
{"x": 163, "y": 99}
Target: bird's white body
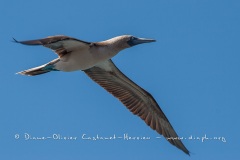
{"x": 83, "y": 56}
{"x": 82, "y": 59}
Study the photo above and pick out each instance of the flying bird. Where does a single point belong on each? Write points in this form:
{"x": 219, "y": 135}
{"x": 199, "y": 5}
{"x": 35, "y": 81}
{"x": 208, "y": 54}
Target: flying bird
{"x": 94, "y": 58}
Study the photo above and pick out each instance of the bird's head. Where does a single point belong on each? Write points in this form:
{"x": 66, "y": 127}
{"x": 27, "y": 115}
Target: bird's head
{"x": 132, "y": 41}
{"x": 126, "y": 41}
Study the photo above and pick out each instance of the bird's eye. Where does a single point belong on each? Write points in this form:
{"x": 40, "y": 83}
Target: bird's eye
{"x": 132, "y": 38}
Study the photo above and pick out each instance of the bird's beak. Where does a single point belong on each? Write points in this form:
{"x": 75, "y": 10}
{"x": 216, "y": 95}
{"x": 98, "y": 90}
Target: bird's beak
{"x": 135, "y": 41}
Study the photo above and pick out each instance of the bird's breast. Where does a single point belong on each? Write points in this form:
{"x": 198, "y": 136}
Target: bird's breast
{"x": 83, "y": 59}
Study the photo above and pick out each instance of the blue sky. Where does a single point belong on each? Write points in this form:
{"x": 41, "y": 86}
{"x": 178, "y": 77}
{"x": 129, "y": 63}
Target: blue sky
{"x": 192, "y": 71}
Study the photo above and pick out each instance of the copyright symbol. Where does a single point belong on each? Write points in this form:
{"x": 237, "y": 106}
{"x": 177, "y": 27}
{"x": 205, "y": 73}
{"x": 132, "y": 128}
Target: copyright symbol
{"x": 17, "y": 136}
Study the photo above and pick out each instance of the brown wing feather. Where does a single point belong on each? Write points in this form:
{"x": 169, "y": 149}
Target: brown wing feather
{"x": 136, "y": 99}
{"x": 57, "y": 43}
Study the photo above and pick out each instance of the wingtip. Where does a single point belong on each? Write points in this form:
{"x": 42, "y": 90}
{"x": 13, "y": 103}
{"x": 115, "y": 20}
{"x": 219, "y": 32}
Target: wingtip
{"x": 14, "y": 40}
{"x": 186, "y": 151}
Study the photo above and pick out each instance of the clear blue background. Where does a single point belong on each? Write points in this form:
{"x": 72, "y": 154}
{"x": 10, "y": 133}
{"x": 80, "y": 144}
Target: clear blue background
{"x": 192, "y": 71}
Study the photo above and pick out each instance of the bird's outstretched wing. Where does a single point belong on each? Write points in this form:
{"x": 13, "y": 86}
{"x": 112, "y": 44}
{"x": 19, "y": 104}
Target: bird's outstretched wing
{"x": 61, "y": 45}
{"x": 136, "y": 99}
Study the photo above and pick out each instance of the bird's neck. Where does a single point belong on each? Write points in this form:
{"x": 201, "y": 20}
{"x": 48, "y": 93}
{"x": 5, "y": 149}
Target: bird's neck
{"x": 114, "y": 45}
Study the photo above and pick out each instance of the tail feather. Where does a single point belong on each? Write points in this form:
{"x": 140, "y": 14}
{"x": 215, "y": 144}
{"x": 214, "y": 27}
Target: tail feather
{"x": 34, "y": 71}
{"x": 40, "y": 69}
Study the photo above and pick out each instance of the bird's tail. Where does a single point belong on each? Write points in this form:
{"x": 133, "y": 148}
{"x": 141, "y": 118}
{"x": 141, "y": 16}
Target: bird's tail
{"x": 40, "y": 69}
{"x": 34, "y": 71}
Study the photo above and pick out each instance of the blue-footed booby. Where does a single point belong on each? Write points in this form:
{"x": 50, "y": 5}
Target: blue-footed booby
{"x": 94, "y": 58}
